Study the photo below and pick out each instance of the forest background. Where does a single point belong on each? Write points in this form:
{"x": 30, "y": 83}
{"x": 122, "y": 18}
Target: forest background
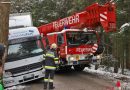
{"x": 117, "y": 45}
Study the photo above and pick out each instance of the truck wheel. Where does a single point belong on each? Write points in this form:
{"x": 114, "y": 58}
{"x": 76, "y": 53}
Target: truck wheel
{"x": 96, "y": 66}
{"x": 79, "y": 67}
{"x": 68, "y": 67}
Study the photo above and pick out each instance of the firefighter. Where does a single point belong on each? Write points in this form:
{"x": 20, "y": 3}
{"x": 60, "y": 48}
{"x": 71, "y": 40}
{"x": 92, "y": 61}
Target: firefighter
{"x": 51, "y": 58}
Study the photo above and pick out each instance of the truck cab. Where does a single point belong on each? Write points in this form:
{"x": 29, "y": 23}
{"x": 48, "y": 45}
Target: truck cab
{"x": 24, "y": 60}
{"x": 25, "y": 51}
{"x": 74, "y": 46}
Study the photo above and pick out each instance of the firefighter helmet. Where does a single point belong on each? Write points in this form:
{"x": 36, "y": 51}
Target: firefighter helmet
{"x": 54, "y": 46}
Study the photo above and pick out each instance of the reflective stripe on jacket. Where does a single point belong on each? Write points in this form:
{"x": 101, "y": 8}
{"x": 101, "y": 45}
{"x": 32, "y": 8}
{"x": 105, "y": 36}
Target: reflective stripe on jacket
{"x": 50, "y": 55}
{"x": 50, "y": 67}
{"x": 50, "y": 58}
{"x": 56, "y": 59}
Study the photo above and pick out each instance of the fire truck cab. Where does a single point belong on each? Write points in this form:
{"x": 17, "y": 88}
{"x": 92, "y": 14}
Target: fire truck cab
{"x": 75, "y": 47}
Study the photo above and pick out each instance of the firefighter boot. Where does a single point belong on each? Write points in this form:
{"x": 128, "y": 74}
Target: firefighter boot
{"x": 51, "y": 85}
{"x": 45, "y": 85}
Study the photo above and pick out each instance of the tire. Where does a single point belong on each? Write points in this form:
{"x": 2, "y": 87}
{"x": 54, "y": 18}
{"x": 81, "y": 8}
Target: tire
{"x": 68, "y": 67}
{"x": 96, "y": 66}
{"x": 79, "y": 67}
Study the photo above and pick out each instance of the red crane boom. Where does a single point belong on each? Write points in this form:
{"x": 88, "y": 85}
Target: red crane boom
{"x": 93, "y": 16}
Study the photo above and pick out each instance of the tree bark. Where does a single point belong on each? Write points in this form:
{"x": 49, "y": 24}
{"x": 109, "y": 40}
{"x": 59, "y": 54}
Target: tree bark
{"x": 4, "y": 27}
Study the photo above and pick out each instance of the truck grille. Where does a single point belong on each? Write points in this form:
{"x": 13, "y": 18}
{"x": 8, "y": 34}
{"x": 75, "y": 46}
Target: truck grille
{"x": 25, "y": 68}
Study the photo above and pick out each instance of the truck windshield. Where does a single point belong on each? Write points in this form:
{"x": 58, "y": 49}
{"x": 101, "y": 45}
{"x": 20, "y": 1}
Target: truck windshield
{"x": 78, "y": 38}
{"x": 24, "y": 50}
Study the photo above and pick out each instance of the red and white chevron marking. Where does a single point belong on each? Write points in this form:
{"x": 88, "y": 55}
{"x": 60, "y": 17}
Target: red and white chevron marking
{"x": 94, "y": 48}
{"x": 103, "y": 16}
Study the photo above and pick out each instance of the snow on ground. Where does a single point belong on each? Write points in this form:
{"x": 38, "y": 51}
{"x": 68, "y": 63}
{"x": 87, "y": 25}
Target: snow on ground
{"x": 18, "y": 87}
{"x": 101, "y": 72}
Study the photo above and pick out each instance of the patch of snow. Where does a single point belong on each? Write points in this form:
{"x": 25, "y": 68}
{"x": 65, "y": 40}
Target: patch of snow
{"x": 122, "y": 28}
{"x": 43, "y": 21}
{"x": 19, "y": 87}
{"x": 124, "y": 25}
{"x": 124, "y": 79}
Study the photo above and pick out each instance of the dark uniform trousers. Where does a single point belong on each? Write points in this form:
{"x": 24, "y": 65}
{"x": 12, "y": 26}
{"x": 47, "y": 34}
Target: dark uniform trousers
{"x": 48, "y": 79}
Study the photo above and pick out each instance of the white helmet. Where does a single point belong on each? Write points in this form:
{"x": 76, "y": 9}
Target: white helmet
{"x": 54, "y": 46}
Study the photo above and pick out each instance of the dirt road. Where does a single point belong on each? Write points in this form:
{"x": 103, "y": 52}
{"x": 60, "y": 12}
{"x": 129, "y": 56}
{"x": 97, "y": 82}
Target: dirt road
{"x": 74, "y": 81}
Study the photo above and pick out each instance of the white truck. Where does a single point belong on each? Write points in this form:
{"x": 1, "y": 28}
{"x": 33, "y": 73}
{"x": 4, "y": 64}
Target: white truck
{"x": 24, "y": 60}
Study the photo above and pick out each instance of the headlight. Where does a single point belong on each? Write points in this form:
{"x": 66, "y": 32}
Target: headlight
{"x": 98, "y": 56}
{"x": 8, "y": 74}
{"x": 71, "y": 58}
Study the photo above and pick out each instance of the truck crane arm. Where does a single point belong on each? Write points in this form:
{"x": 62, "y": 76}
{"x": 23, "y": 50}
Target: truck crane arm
{"x": 93, "y": 16}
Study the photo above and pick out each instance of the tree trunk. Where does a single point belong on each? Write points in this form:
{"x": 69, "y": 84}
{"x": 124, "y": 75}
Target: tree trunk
{"x": 128, "y": 51}
{"x": 4, "y": 24}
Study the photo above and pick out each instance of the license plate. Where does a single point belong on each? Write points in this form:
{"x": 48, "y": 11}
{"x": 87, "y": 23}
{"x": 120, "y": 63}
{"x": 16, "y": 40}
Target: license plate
{"x": 75, "y": 62}
{"x": 28, "y": 76}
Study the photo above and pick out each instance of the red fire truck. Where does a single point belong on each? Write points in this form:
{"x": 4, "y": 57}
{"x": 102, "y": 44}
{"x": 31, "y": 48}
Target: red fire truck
{"x": 76, "y": 36}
